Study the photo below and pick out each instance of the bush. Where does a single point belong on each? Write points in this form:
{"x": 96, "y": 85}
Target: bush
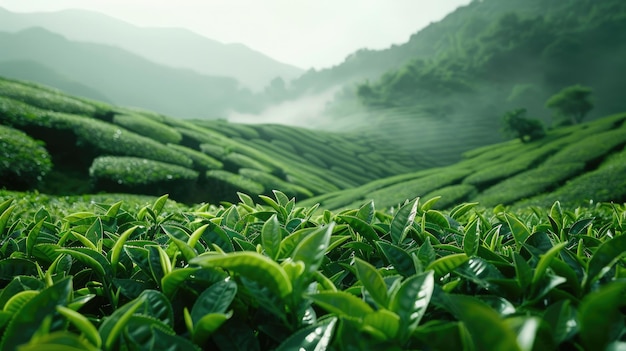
{"x": 149, "y": 128}
{"x": 530, "y": 183}
{"x": 141, "y": 176}
{"x": 516, "y": 125}
{"x": 44, "y": 98}
{"x": 201, "y": 161}
{"x": 23, "y": 161}
{"x": 271, "y": 182}
{"x": 223, "y": 185}
{"x": 110, "y": 139}
{"x": 236, "y": 161}
{"x": 591, "y": 148}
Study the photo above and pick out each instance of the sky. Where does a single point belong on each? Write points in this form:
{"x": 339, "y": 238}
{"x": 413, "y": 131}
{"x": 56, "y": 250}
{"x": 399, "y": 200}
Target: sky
{"x": 304, "y": 33}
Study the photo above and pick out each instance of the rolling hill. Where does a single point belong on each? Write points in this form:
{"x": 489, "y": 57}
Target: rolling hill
{"x": 173, "y": 47}
{"x": 89, "y": 146}
{"x": 123, "y": 77}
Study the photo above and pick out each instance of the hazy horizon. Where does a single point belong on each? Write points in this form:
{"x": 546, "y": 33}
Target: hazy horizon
{"x": 307, "y": 35}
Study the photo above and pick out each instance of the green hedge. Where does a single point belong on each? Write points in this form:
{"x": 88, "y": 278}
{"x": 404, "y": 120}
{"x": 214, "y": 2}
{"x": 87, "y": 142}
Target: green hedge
{"x": 201, "y": 161}
{"x": 149, "y": 128}
{"x": 141, "y": 176}
{"x": 451, "y": 195}
{"x": 213, "y": 150}
{"x": 530, "y": 183}
{"x": 237, "y": 161}
{"x": 138, "y": 171}
{"x": 112, "y": 140}
{"x": 23, "y": 161}
{"x": 45, "y": 98}
{"x": 591, "y": 148}
{"x": 607, "y": 183}
{"x": 271, "y": 182}
{"x": 224, "y": 185}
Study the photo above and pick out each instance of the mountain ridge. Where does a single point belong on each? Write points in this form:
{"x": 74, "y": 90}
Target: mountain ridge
{"x": 204, "y": 55}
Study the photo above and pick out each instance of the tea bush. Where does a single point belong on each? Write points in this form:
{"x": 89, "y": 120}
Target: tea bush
{"x": 235, "y": 161}
{"x": 278, "y": 276}
{"x": 530, "y": 183}
{"x": 225, "y": 185}
{"x": 149, "y": 128}
{"x": 138, "y": 175}
{"x": 23, "y": 161}
{"x": 201, "y": 161}
{"x": 270, "y": 181}
{"x": 44, "y": 98}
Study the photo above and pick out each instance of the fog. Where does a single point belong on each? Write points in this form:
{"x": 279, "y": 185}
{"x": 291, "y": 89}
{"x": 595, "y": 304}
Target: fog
{"x": 308, "y": 111}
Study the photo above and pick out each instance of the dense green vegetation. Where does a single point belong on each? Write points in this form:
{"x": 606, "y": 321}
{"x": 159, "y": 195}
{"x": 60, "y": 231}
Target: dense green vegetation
{"x": 132, "y": 274}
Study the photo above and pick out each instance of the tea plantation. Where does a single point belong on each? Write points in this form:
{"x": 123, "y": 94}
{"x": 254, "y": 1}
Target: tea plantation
{"x": 519, "y": 246}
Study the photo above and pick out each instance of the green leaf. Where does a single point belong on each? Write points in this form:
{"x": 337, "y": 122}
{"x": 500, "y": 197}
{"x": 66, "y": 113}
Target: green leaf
{"x": 373, "y": 281}
{"x": 174, "y": 280}
{"x": 518, "y": 229}
{"x": 33, "y": 235}
{"x": 253, "y": 266}
{"x": 316, "y": 337}
{"x": 382, "y": 321}
{"x": 59, "y": 341}
{"x": 436, "y": 219}
{"x": 114, "y": 209}
{"x": 607, "y": 254}
{"x": 403, "y": 221}
{"x": 399, "y": 258}
{"x": 524, "y": 273}
{"x": 119, "y": 245}
{"x": 215, "y": 299}
{"x": 113, "y": 326}
{"x": 545, "y": 260}
{"x": 458, "y": 211}
{"x": 271, "y": 236}
{"x": 312, "y": 248}
{"x": 342, "y": 304}
{"x": 426, "y": 253}
{"x": 6, "y": 214}
{"x": 430, "y": 203}
{"x": 447, "y": 264}
{"x": 411, "y": 300}
{"x": 17, "y": 301}
{"x": 561, "y": 317}
{"x": 81, "y": 323}
{"x": 486, "y": 329}
{"x": 599, "y": 315}
{"x": 159, "y": 203}
{"x": 362, "y": 227}
{"x": 12, "y": 267}
{"x": 93, "y": 259}
{"x": 471, "y": 239}
{"x": 29, "y": 318}
{"x": 95, "y": 233}
{"x": 366, "y": 212}
{"x": 580, "y": 226}
{"x": 207, "y": 325}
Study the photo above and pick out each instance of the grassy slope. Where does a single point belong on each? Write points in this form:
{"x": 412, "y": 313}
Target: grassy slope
{"x": 338, "y": 170}
{"x": 228, "y": 157}
{"x": 573, "y": 164}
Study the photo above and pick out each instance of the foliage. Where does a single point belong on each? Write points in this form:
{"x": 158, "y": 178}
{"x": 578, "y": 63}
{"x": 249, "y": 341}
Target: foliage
{"x": 516, "y": 124}
{"x": 137, "y": 171}
{"x": 271, "y": 275}
{"x": 224, "y": 184}
{"x": 23, "y": 161}
{"x": 148, "y": 128}
{"x": 573, "y": 103}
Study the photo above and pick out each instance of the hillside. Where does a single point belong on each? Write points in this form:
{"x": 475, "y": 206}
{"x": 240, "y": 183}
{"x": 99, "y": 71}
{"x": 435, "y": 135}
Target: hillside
{"x": 100, "y": 147}
{"x": 90, "y": 146}
{"x": 124, "y": 78}
{"x": 173, "y": 47}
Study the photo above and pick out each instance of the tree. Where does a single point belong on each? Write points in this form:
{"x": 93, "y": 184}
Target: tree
{"x": 515, "y": 124}
{"x": 573, "y": 103}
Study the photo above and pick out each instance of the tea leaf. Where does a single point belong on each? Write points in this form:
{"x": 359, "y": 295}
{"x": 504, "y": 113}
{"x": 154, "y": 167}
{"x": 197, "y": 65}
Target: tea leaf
{"x": 253, "y": 266}
{"x": 403, "y": 220}
{"x": 342, "y": 304}
{"x": 411, "y": 300}
{"x": 372, "y": 281}
{"x": 271, "y": 236}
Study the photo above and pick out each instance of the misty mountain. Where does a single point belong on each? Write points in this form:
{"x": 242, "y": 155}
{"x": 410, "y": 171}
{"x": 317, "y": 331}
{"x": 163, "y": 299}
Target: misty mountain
{"x": 175, "y": 47}
{"x": 37, "y": 72}
{"x": 123, "y": 77}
